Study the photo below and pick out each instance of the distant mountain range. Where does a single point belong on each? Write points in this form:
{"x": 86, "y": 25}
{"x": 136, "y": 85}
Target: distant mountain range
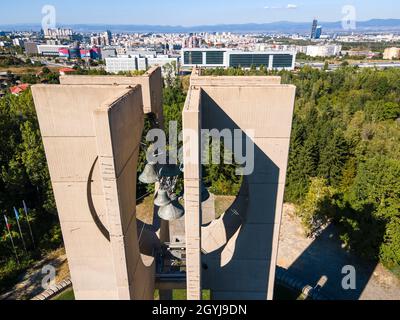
{"x": 375, "y": 25}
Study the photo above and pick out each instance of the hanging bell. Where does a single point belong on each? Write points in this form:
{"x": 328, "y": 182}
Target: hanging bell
{"x": 162, "y": 198}
{"x": 205, "y": 195}
{"x": 169, "y": 171}
{"x": 148, "y": 175}
{"x": 172, "y": 211}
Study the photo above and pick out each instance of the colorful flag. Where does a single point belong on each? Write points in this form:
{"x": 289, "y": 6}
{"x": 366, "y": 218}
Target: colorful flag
{"x": 11, "y": 238}
{"x": 27, "y": 220}
{"x": 16, "y": 213}
{"x": 19, "y": 228}
{"x": 7, "y": 224}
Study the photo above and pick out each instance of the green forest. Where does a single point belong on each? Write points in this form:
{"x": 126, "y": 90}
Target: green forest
{"x": 344, "y": 160}
{"x": 344, "y": 163}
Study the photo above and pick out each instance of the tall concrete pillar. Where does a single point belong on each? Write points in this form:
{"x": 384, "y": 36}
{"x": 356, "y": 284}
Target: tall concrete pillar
{"x": 238, "y": 251}
{"x": 91, "y": 136}
{"x": 192, "y": 180}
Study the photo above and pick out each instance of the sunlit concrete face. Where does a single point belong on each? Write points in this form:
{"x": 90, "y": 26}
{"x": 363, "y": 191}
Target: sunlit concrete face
{"x": 150, "y": 83}
{"x": 91, "y": 136}
{"x": 239, "y": 250}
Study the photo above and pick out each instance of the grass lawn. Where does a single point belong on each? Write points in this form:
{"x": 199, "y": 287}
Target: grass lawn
{"x": 180, "y": 294}
{"x": 66, "y": 295}
{"x": 144, "y": 210}
{"x": 222, "y": 203}
{"x": 26, "y": 69}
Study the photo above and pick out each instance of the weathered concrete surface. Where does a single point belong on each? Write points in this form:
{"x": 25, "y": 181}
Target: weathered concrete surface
{"x": 192, "y": 183}
{"x": 241, "y": 246}
{"x": 91, "y": 136}
{"x": 150, "y": 82}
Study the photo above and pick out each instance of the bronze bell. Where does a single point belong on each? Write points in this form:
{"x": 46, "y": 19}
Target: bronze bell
{"x": 162, "y": 198}
{"x": 172, "y": 211}
{"x": 148, "y": 175}
{"x": 169, "y": 171}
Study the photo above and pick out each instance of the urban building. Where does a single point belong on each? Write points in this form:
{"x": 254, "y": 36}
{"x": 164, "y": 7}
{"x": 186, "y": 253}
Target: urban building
{"x": 108, "y": 52}
{"x": 323, "y": 50}
{"x": 161, "y": 61}
{"x": 50, "y": 50}
{"x": 58, "y": 33}
{"x": 18, "y": 42}
{"x": 64, "y": 53}
{"x": 66, "y": 71}
{"x": 141, "y": 53}
{"x": 103, "y": 39}
{"x": 18, "y": 89}
{"x": 314, "y": 29}
{"x": 225, "y": 58}
{"x": 318, "y": 32}
{"x": 391, "y": 53}
{"x": 31, "y": 48}
{"x": 115, "y": 65}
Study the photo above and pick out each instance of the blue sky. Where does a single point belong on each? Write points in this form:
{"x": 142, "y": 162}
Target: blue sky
{"x": 193, "y": 12}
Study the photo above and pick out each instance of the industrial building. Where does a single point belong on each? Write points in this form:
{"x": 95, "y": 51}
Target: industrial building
{"x": 31, "y": 48}
{"x": 391, "y": 53}
{"x": 323, "y": 50}
{"x": 225, "y": 58}
{"x": 50, "y": 50}
{"x": 115, "y": 65}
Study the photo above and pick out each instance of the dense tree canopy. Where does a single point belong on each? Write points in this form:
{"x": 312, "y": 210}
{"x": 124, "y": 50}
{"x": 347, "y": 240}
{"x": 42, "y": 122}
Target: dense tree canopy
{"x": 345, "y": 155}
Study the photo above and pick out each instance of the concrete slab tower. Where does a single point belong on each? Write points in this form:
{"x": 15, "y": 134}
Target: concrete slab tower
{"x": 92, "y": 129}
{"x": 235, "y": 255}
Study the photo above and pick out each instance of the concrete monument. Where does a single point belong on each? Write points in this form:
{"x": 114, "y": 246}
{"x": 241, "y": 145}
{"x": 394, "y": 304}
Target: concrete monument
{"x": 235, "y": 256}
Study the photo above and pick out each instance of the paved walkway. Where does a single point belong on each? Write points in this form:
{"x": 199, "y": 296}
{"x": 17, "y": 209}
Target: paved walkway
{"x": 322, "y": 260}
{"x": 30, "y": 283}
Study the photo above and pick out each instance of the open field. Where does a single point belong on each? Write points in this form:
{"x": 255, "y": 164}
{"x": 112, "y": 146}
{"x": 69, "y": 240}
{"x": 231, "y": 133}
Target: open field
{"x": 25, "y": 70}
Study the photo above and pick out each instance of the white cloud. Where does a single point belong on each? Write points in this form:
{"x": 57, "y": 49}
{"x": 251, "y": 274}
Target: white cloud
{"x": 292, "y": 6}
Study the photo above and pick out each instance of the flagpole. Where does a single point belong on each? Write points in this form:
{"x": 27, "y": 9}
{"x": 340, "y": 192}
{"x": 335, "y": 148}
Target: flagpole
{"x": 29, "y": 224}
{"x": 12, "y": 241}
{"x": 19, "y": 228}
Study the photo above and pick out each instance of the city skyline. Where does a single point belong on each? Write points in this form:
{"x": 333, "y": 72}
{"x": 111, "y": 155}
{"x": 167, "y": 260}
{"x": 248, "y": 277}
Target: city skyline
{"x": 176, "y": 12}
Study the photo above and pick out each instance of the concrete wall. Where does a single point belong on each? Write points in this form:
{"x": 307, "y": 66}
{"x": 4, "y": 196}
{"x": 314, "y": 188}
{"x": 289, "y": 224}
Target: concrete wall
{"x": 241, "y": 247}
{"x": 151, "y": 83}
{"x": 91, "y": 137}
{"x": 192, "y": 178}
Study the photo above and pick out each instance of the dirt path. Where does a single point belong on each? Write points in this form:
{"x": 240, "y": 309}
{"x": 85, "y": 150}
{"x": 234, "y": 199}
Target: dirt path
{"x": 310, "y": 260}
{"x": 30, "y": 283}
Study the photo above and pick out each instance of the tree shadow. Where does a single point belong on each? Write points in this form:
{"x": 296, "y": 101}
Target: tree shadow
{"x": 325, "y": 258}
